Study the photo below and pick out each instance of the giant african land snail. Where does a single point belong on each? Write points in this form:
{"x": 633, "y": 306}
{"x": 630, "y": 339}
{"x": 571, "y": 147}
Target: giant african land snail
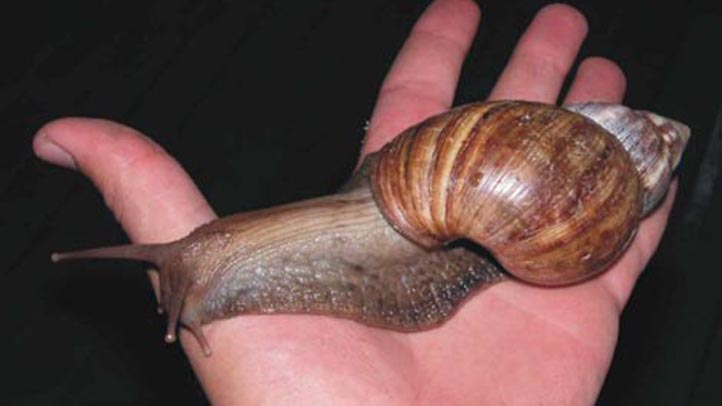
{"x": 550, "y": 193}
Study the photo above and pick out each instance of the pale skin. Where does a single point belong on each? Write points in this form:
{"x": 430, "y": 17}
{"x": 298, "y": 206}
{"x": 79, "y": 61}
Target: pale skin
{"x": 512, "y": 344}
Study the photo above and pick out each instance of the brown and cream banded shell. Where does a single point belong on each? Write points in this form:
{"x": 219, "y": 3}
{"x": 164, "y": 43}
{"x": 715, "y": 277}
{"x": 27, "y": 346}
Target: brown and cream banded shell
{"x": 549, "y": 192}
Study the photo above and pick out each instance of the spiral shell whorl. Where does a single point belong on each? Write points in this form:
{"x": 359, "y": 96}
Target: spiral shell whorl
{"x": 548, "y": 192}
{"x": 654, "y": 143}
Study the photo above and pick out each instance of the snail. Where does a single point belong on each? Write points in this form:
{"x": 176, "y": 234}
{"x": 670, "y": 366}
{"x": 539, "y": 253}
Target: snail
{"x": 554, "y": 194}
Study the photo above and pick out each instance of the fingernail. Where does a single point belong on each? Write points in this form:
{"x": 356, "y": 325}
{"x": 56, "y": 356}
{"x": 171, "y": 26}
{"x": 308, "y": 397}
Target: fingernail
{"x": 48, "y": 150}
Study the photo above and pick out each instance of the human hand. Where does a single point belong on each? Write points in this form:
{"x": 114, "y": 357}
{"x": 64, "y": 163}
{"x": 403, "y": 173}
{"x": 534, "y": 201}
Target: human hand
{"x": 543, "y": 345}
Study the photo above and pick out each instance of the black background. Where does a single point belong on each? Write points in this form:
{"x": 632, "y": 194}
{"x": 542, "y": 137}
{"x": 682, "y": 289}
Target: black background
{"x": 264, "y": 102}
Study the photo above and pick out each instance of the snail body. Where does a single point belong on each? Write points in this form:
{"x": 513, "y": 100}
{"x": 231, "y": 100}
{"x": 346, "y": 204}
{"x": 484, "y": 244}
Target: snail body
{"x": 554, "y": 194}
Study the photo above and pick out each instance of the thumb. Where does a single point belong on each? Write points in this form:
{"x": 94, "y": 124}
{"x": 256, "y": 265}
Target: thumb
{"x": 149, "y": 193}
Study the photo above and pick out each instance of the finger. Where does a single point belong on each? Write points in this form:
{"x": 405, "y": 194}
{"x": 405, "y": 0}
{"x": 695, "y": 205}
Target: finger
{"x": 146, "y": 189}
{"x": 423, "y": 78}
{"x": 543, "y": 56}
{"x": 597, "y": 79}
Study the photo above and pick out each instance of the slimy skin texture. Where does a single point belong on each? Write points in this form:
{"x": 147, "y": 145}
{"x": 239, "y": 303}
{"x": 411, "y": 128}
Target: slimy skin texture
{"x": 334, "y": 255}
{"x": 553, "y": 196}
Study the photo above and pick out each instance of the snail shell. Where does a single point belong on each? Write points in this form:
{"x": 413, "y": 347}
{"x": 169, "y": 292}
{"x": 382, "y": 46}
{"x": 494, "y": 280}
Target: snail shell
{"x": 550, "y": 193}
{"x": 555, "y": 194}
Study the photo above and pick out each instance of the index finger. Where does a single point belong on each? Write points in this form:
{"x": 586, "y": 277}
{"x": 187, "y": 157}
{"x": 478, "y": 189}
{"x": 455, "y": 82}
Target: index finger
{"x": 543, "y": 56}
{"x": 423, "y": 78}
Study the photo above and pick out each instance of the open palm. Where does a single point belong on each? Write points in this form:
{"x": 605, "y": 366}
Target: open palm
{"x": 511, "y": 344}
